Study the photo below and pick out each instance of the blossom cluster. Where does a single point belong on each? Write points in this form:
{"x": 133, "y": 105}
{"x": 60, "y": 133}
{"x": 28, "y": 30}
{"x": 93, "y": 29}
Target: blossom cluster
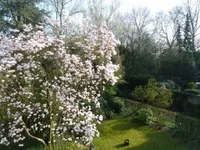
{"x": 47, "y": 85}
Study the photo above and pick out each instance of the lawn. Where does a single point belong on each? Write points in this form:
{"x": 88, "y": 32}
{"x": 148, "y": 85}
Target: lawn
{"x": 114, "y": 132}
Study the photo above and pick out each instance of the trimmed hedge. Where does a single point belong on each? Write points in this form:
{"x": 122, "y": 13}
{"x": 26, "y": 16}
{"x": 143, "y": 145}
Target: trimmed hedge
{"x": 181, "y": 104}
{"x": 189, "y": 127}
{"x": 193, "y": 91}
{"x": 131, "y": 107}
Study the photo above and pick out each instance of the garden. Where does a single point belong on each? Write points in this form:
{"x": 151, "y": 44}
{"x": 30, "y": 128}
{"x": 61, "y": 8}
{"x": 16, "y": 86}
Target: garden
{"x": 114, "y": 132}
{"x": 76, "y": 76}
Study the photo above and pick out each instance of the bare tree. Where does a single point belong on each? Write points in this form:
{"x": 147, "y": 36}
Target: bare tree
{"x": 136, "y": 26}
{"x": 62, "y": 11}
{"x": 166, "y": 29}
{"x": 100, "y": 12}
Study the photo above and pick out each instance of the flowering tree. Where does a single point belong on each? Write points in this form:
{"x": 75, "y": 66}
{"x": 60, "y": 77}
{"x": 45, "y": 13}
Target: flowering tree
{"x": 49, "y": 86}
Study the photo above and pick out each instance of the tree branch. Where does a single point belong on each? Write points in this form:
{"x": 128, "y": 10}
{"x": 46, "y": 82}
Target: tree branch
{"x": 34, "y": 137}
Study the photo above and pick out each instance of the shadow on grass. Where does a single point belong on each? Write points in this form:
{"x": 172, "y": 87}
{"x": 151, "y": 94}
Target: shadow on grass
{"x": 123, "y": 124}
{"x": 30, "y": 144}
{"x": 120, "y": 145}
{"x": 159, "y": 141}
{"x": 144, "y": 139}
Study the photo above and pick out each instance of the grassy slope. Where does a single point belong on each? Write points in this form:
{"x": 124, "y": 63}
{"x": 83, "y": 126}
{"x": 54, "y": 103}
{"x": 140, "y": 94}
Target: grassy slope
{"x": 114, "y": 132}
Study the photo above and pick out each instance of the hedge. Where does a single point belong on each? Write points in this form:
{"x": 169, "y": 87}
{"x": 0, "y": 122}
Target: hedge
{"x": 134, "y": 106}
{"x": 185, "y": 125}
{"x": 181, "y": 104}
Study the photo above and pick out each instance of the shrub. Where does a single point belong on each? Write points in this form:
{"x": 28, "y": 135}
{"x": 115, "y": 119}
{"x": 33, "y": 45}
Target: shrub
{"x": 127, "y": 111}
{"x": 117, "y": 104}
{"x": 169, "y": 84}
{"x": 159, "y": 121}
{"x": 164, "y": 98}
{"x": 110, "y": 91}
{"x": 104, "y": 110}
{"x": 140, "y": 94}
{"x": 145, "y": 116}
{"x": 191, "y": 85}
{"x": 109, "y": 114}
{"x": 188, "y": 128}
{"x": 110, "y": 107}
{"x": 153, "y": 94}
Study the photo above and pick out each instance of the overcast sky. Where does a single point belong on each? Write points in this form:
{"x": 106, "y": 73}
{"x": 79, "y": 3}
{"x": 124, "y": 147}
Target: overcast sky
{"x": 154, "y": 5}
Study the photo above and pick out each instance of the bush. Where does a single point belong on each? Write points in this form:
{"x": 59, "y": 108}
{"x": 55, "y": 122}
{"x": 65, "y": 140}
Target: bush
{"x": 164, "y": 99}
{"x": 109, "y": 114}
{"x": 109, "y": 91}
{"x": 145, "y": 116}
{"x": 188, "y": 128}
{"x": 153, "y": 94}
{"x": 140, "y": 94}
{"x": 127, "y": 111}
{"x": 117, "y": 104}
{"x": 159, "y": 121}
{"x": 110, "y": 107}
{"x": 191, "y": 85}
{"x": 169, "y": 84}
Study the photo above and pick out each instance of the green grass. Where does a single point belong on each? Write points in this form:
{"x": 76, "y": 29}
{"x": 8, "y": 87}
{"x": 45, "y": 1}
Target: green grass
{"x": 114, "y": 132}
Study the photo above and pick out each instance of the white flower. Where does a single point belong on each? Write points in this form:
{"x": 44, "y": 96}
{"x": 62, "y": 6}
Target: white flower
{"x": 60, "y": 108}
{"x": 100, "y": 117}
{"x": 50, "y": 78}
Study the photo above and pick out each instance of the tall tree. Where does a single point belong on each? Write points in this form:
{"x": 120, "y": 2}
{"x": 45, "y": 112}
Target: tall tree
{"x": 140, "y": 46}
{"x": 192, "y": 8}
{"x": 179, "y": 38}
{"x": 15, "y": 13}
{"x": 188, "y": 44}
{"x": 167, "y": 27}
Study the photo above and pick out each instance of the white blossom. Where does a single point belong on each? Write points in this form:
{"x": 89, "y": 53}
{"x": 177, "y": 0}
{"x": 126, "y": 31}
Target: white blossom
{"x": 44, "y": 79}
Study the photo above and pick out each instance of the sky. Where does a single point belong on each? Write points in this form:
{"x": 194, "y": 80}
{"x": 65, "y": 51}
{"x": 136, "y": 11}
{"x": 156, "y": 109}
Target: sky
{"x": 153, "y": 5}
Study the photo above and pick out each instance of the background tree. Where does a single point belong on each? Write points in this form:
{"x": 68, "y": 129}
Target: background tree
{"x": 64, "y": 14}
{"x": 139, "y": 48}
{"x": 15, "y": 13}
{"x": 192, "y": 11}
{"x": 101, "y": 12}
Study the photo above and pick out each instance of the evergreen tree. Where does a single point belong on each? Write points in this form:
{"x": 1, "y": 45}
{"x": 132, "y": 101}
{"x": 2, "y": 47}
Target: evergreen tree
{"x": 188, "y": 61}
{"x": 15, "y": 13}
{"x": 187, "y": 36}
{"x": 179, "y": 38}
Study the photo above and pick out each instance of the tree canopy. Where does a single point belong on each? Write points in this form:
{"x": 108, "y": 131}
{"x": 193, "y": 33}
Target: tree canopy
{"x": 15, "y": 13}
